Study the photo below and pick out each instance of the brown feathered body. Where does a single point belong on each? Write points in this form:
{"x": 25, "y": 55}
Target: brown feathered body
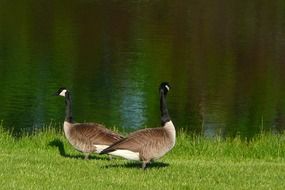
{"x": 146, "y": 144}
{"x": 85, "y": 136}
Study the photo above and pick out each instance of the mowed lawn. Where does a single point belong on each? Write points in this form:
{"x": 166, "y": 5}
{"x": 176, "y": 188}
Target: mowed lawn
{"x": 45, "y": 160}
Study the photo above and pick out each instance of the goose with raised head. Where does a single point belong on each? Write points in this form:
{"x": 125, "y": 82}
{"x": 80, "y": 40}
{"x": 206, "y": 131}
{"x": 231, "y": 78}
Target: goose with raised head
{"x": 85, "y": 137}
{"x": 148, "y": 144}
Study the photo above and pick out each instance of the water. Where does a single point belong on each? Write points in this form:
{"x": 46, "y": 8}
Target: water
{"x": 224, "y": 61}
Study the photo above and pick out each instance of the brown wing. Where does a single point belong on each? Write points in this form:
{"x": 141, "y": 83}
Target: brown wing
{"x": 136, "y": 140}
{"x": 96, "y": 133}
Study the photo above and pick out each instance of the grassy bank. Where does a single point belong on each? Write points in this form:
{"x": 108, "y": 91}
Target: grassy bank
{"x": 46, "y": 161}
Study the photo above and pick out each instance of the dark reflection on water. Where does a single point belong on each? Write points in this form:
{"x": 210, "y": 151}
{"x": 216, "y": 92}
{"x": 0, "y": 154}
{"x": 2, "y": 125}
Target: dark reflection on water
{"x": 224, "y": 60}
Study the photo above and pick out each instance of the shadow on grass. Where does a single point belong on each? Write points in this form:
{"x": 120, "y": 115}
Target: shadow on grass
{"x": 59, "y": 144}
{"x": 138, "y": 165}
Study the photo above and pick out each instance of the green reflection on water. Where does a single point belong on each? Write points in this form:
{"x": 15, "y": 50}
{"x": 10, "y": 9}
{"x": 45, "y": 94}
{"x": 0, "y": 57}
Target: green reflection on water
{"x": 224, "y": 60}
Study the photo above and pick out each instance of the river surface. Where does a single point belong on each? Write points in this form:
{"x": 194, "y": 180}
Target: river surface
{"x": 225, "y": 62}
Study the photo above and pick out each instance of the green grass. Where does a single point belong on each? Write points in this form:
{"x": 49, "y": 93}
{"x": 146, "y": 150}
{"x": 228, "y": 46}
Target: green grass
{"x": 45, "y": 160}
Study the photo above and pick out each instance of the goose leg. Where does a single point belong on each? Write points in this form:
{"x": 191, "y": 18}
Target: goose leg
{"x": 86, "y": 156}
{"x": 110, "y": 157}
{"x": 144, "y": 165}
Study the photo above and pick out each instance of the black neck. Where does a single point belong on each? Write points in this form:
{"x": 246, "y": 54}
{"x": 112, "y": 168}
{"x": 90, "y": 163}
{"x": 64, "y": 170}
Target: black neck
{"x": 163, "y": 109}
{"x": 68, "y": 112}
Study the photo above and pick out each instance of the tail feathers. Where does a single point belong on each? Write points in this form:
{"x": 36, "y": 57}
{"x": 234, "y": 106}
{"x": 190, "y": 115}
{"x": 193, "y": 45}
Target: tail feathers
{"x": 112, "y": 147}
{"x": 106, "y": 151}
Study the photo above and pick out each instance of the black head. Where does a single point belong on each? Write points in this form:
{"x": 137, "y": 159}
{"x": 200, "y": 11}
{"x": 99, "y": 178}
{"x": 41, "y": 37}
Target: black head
{"x": 165, "y": 87}
{"x": 61, "y": 91}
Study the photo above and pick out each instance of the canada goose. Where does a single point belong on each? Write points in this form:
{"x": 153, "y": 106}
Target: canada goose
{"x": 151, "y": 143}
{"x": 85, "y": 137}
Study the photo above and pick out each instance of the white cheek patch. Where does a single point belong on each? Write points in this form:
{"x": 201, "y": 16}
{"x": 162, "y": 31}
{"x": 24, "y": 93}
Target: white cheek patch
{"x": 127, "y": 154}
{"x": 167, "y": 87}
{"x": 62, "y": 93}
{"x": 99, "y": 148}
